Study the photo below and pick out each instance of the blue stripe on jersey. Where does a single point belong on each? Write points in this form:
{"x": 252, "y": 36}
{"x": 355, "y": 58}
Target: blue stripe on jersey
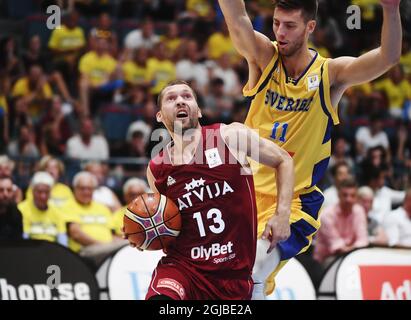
{"x": 300, "y": 230}
{"x": 327, "y": 136}
{"x": 266, "y": 80}
{"x": 318, "y": 171}
{"x": 311, "y": 203}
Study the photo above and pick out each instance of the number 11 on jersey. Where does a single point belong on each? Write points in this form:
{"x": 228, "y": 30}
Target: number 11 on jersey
{"x": 282, "y": 132}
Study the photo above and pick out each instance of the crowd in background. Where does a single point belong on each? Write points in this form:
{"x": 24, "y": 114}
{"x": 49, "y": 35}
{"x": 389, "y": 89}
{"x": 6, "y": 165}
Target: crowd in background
{"x": 78, "y": 105}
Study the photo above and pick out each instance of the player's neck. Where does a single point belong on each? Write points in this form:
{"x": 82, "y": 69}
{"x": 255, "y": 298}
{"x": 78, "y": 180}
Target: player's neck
{"x": 297, "y": 63}
{"x": 185, "y": 146}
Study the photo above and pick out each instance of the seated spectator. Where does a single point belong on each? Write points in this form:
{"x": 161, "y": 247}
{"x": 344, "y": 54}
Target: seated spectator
{"x": 89, "y": 222}
{"x": 133, "y": 188}
{"x": 60, "y": 193}
{"x": 86, "y": 145}
{"x": 217, "y": 105}
{"x": 172, "y": 40}
{"x": 54, "y": 129}
{"x": 11, "y": 221}
{"x": 142, "y": 38}
{"x": 102, "y": 194}
{"x": 372, "y": 136}
{"x": 104, "y": 30}
{"x": 35, "y": 90}
{"x": 9, "y": 58}
{"x": 36, "y": 56}
{"x": 397, "y": 88}
{"x": 340, "y": 172}
{"x": 135, "y": 69}
{"x": 24, "y": 145}
{"x": 66, "y": 44}
{"x": 384, "y": 197}
{"x": 191, "y": 66}
{"x": 100, "y": 77}
{"x": 340, "y": 153}
{"x": 6, "y": 171}
{"x": 161, "y": 70}
{"x": 376, "y": 234}
{"x": 224, "y": 70}
{"x": 41, "y": 220}
{"x": 397, "y": 224}
{"x": 344, "y": 226}
{"x": 219, "y": 43}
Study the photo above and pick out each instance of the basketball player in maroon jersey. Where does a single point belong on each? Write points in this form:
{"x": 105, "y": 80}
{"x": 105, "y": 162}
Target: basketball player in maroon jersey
{"x": 203, "y": 172}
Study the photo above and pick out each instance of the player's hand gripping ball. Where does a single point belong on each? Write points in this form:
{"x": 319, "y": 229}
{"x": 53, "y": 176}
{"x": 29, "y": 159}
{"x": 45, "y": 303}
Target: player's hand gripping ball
{"x": 152, "y": 222}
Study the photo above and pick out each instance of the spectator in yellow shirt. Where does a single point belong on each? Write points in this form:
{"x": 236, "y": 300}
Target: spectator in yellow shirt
{"x": 160, "y": 68}
{"x": 41, "y": 220}
{"x": 397, "y": 88}
{"x": 89, "y": 223}
{"x": 100, "y": 76}
{"x": 133, "y": 188}
{"x": 199, "y": 8}
{"x": 172, "y": 40}
{"x": 104, "y": 30}
{"x": 66, "y": 44}
{"x": 35, "y": 90}
{"x": 220, "y": 43}
{"x": 135, "y": 70}
{"x": 60, "y": 193}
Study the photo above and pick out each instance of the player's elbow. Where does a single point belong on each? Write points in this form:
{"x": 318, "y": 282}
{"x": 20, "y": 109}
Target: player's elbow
{"x": 391, "y": 59}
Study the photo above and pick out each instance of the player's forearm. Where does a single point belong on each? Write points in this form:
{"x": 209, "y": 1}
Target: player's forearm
{"x": 233, "y": 11}
{"x": 285, "y": 185}
{"x": 391, "y": 36}
{"x": 240, "y": 27}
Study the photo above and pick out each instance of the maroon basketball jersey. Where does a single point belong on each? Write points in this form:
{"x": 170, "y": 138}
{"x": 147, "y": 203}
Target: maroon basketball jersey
{"x": 217, "y": 203}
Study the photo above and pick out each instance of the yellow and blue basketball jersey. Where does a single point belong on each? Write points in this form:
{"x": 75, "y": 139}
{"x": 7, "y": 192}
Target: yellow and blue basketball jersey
{"x": 298, "y": 116}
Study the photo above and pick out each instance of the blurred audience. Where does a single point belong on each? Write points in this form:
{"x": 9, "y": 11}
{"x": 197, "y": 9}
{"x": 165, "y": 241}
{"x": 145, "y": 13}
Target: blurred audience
{"x": 89, "y": 222}
{"x": 41, "y": 220}
{"x": 11, "y": 221}
{"x": 102, "y": 194}
{"x": 376, "y": 233}
{"x": 344, "y": 226}
{"x": 60, "y": 193}
{"x": 397, "y": 224}
{"x": 87, "y": 145}
{"x": 132, "y": 188}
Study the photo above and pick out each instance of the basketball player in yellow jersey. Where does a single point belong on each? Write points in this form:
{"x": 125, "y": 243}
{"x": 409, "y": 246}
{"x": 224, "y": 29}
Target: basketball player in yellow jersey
{"x": 294, "y": 93}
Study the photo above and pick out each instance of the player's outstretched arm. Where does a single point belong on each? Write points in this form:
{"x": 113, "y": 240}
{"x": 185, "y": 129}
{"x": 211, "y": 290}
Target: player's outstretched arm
{"x": 235, "y": 135}
{"x": 255, "y": 47}
{"x": 349, "y": 71}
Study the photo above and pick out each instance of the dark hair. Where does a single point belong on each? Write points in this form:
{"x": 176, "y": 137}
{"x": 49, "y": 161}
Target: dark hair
{"x": 309, "y": 7}
{"x": 170, "y": 84}
{"x": 347, "y": 183}
{"x": 339, "y": 164}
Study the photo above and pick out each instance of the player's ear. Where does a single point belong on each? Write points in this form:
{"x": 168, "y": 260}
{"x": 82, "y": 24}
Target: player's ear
{"x": 159, "y": 116}
{"x": 200, "y": 115}
{"x": 311, "y": 26}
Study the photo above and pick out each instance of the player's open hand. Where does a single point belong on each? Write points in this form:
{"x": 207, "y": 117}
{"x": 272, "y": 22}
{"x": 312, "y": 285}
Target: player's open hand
{"x": 390, "y": 3}
{"x": 276, "y": 230}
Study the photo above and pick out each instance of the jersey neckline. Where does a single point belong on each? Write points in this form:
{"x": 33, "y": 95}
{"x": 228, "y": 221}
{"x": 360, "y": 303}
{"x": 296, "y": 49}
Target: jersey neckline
{"x": 305, "y": 70}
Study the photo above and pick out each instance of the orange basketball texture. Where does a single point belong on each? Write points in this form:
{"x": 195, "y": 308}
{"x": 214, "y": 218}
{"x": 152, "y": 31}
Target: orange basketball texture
{"x": 152, "y": 221}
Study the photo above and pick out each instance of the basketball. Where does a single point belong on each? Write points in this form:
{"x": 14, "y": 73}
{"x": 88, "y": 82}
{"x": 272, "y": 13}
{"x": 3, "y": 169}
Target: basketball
{"x": 152, "y": 221}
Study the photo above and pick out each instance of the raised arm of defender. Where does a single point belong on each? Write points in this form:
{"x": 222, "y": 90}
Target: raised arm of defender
{"x": 241, "y": 139}
{"x": 255, "y": 47}
{"x": 348, "y": 71}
